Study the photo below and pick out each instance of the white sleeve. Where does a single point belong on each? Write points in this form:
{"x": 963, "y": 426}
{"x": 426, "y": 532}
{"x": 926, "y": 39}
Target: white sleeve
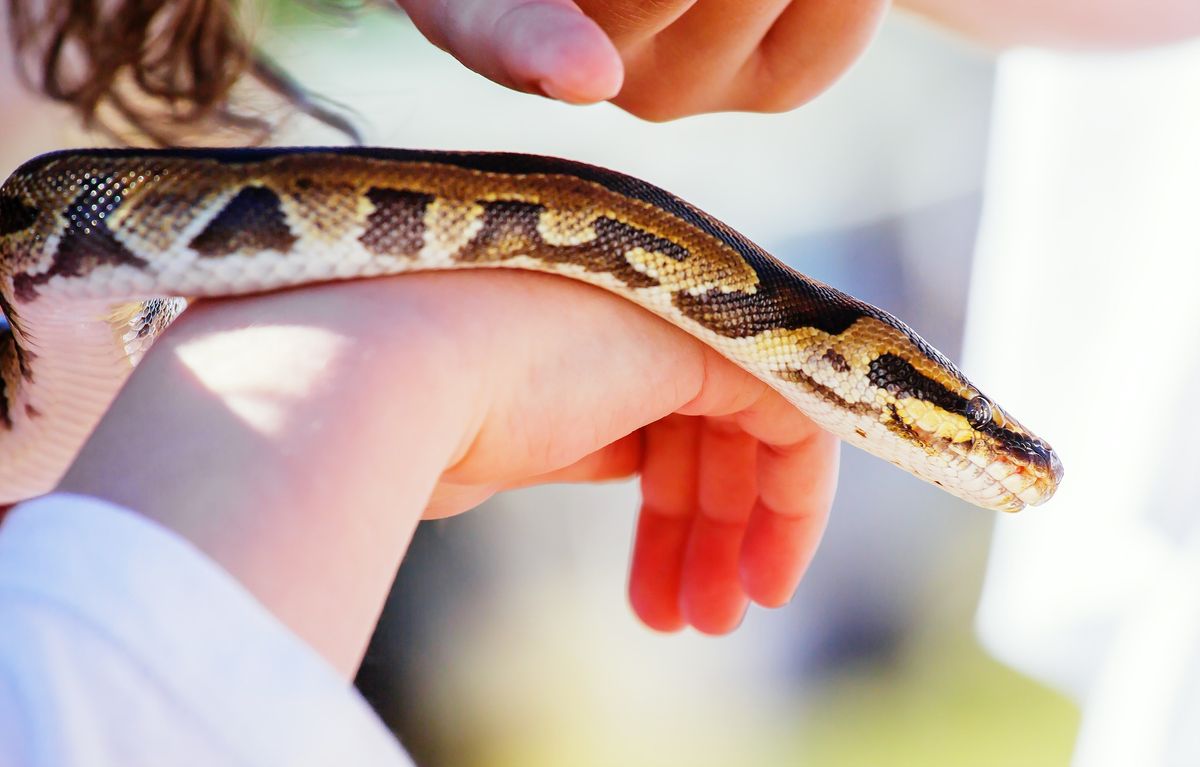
{"x": 121, "y": 644}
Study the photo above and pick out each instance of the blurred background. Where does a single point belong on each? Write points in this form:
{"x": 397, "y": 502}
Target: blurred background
{"x": 508, "y": 639}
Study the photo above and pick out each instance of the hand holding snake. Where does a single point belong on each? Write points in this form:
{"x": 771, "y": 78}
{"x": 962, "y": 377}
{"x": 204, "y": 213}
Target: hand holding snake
{"x": 99, "y": 252}
{"x": 480, "y": 400}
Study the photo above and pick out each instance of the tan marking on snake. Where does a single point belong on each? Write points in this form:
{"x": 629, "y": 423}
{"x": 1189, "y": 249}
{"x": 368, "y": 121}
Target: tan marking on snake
{"x": 566, "y": 227}
{"x": 449, "y": 225}
{"x": 510, "y": 229}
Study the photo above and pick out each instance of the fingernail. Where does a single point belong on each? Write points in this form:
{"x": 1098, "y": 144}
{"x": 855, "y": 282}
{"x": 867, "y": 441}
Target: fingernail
{"x": 560, "y": 92}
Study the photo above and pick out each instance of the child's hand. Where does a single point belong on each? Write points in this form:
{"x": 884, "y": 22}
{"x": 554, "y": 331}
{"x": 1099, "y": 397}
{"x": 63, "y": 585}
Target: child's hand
{"x": 577, "y": 385}
{"x": 298, "y": 437}
{"x": 675, "y": 57}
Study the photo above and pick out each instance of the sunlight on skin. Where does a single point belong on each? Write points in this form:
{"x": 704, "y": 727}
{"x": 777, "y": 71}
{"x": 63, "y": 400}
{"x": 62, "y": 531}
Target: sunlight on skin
{"x": 241, "y": 364}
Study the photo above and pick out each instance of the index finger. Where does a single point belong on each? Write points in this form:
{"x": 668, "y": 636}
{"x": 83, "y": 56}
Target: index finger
{"x": 629, "y": 22}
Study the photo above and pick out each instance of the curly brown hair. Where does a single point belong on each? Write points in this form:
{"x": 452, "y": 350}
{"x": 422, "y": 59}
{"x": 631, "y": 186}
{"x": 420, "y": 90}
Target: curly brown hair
{"x": 154, "y": 71}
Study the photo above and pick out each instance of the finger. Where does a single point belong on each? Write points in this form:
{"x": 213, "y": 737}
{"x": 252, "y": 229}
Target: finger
{"x": 719, "y": 33}
{"x": 810, "y": 45}
{"x": 541, "y": 46}
{"x": 669, "y": 467}
{"x": 725, "y": 388}
{"x": 713, "y": 598}
{"x": 796, "y": 474}
{"x": 630, "y": 23}
{"x": 693, "y": 63}
{"x": 775, "y": 421}
{"x": 727, "y": 485}
{"x": 618, "y": 460}
{"x": 796, "y": 485}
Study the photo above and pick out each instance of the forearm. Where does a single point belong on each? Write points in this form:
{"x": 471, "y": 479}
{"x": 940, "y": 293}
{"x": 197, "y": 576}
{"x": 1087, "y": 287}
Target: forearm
{"x": 1065, "y": 23}
{"x": 219, "y": 436}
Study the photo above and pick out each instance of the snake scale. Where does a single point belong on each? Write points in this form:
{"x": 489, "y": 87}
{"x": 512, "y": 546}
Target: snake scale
{"x": 101, "y": 249}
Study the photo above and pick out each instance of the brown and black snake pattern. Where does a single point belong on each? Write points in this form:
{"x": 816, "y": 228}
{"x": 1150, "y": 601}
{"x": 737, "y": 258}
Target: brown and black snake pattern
{"x": 100, "y": 250}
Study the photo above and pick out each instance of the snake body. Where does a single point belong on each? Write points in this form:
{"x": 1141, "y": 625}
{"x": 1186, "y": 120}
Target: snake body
{"x": 100, "y": 250}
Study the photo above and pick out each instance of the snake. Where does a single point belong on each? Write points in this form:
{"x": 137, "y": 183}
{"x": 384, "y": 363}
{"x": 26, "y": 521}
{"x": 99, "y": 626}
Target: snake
{"x": 100, "y": 250}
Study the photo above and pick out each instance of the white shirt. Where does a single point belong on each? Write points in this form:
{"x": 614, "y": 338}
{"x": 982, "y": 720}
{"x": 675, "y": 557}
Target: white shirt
{"x": 121, "y": 644}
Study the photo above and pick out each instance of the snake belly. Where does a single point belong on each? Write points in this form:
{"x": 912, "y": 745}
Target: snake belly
{"x": 101, "y": 249}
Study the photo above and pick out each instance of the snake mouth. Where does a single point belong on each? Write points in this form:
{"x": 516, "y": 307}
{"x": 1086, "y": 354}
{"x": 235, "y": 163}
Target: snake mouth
{"x": 1018, "y": 490}
{"x": 1008, "y": 481}
{"x": 1046, "y": 465}
{"x": 1027, "y": 469}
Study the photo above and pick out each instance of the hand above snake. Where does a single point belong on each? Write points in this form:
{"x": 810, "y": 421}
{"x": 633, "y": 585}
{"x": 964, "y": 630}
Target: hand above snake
{"x": 658, "y": 59}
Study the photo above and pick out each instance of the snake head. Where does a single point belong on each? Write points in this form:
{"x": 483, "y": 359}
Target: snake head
{"x": 959, "y": 438}
{"x": 986, "y": 455}
{"x": 882, "y": 388}
{"x": 1023, "y": 469}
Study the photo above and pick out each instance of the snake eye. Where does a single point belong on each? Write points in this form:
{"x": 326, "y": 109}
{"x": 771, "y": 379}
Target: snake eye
{"x": 979, "y": 411}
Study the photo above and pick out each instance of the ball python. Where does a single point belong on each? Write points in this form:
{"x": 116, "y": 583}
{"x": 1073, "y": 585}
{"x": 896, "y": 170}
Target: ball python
{"x": 101, "y": 249}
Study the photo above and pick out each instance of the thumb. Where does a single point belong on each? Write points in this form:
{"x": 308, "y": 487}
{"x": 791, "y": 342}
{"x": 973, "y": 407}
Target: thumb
{"x": 539, "y": 46}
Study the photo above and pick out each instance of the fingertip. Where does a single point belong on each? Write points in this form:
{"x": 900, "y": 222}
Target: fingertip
{"x": 576, "y": 90}
{"x": 776, "y": 552}
{"x": 772, "y": 599}
{"x": 767, "y": 591}
{"x": 654, "y": 575}
{"x": 554, "y": 48}
{"x": 651, "y": 614}
{"x": 719, "y": 623}
{"x": 712, "y": 597}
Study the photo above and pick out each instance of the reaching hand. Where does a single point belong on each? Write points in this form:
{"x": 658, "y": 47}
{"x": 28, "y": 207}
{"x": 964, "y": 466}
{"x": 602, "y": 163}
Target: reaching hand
{"x": 674, "y": 57}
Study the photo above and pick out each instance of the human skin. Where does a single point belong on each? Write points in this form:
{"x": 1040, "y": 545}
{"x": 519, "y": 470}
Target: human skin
{"x": 298, "y": 437}
{"x": 658, "y": 59}
{"x": 663, "y": 59}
